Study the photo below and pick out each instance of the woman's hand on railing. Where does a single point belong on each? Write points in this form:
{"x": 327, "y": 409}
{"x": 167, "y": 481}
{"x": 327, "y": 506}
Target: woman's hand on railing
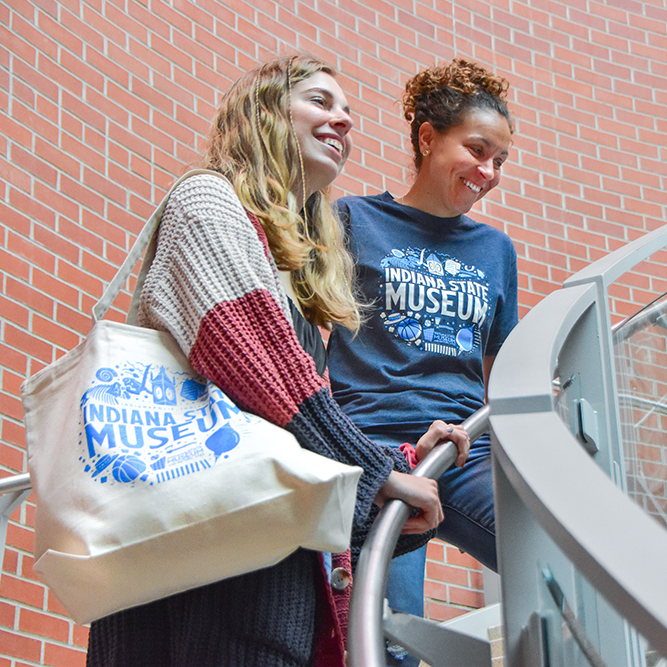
{"x": 366, "y": 646}
{"x": 440, "y": 432}
{"x": 418, "y": 492}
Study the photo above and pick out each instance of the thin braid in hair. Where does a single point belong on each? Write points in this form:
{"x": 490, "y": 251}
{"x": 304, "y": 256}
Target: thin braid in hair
{"x": 298, "y": 150}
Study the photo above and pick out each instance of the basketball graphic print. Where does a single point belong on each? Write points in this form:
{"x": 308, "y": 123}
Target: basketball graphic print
{"x": 408, "y": 329}
{"x": 127, "y": 468}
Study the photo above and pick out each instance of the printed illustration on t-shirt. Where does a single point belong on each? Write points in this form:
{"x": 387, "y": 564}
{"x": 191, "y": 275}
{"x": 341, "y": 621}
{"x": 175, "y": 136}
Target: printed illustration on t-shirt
{"x": 433, "y": 301}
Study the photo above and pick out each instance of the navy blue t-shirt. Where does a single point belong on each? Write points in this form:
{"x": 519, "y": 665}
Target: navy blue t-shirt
{"x": 444, "y": 296}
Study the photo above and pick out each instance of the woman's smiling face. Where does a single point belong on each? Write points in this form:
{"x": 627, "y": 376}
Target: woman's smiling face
{"x": 464, "y": 163}
{"x": 322, "y": 122}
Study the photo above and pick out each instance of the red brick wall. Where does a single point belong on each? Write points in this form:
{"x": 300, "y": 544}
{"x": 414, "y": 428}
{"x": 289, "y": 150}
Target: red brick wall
{"x": 103, "y": 102}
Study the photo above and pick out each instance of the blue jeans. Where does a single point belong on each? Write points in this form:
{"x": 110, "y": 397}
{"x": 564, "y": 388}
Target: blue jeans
{"x": 467, "y": 500}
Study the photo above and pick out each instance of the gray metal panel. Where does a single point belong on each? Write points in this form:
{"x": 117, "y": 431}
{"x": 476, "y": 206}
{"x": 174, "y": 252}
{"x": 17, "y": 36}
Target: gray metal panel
{"x": 619, "y": 549}
{"x": 436, "y": 644}
{"x": 554, "y": 502}
{"x": 521, "y": 380}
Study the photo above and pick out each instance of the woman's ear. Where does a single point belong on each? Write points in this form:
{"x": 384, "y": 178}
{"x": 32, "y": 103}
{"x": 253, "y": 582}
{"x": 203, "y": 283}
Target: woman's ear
{"x": 426, "y": 135}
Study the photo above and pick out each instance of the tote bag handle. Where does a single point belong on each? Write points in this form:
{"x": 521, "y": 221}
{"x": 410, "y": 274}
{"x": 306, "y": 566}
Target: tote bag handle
{"x": 147, "y": 240}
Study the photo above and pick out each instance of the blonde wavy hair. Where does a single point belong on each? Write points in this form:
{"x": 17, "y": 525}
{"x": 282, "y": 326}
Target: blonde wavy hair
{"x": 253, "y": 144}
{"x": 444, "y": 95}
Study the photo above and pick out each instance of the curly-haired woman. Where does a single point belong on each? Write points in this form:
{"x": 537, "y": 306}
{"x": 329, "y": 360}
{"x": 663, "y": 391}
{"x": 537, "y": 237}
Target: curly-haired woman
{"x": 443, "y": 294}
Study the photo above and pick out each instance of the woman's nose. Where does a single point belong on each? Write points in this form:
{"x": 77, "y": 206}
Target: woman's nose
{"x": 343, "y": 120}
{"x": 486, "y": 167}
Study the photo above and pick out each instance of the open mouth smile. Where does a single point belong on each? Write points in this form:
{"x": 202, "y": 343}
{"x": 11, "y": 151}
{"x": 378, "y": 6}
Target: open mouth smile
{"x": 334, "y": 143}
{"x": 475, "y": 188}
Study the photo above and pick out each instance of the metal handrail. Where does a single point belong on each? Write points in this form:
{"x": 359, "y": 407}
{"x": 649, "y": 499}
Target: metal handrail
{"x": 643, "y": 403}
{"x": 651, "y": 314}
{"x": 15, "y": 483}
{"x": 366, "y": 642}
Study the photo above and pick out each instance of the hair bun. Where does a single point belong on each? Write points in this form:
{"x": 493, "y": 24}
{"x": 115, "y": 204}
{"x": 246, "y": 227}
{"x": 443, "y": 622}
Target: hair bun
{"x": 460, "y": 75}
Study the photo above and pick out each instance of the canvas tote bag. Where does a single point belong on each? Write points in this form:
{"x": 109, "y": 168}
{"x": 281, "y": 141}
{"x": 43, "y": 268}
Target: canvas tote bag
{"x": 150, "y": 481}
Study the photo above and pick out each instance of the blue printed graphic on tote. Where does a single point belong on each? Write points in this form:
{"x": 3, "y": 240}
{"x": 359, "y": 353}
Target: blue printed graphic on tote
{"x": 145, "y": 424}
{"x": 433, "y": 301}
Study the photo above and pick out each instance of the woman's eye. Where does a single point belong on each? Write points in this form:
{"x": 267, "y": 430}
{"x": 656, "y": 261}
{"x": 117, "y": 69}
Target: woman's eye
{"x": 319, "y": 100}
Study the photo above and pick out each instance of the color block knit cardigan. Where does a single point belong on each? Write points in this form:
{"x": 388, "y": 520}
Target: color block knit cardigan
{"x": 215, "y": 287}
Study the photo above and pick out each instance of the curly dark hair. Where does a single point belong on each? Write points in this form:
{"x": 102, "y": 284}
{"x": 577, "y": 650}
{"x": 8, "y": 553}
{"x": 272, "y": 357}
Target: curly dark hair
{"x": 444, "y": 95}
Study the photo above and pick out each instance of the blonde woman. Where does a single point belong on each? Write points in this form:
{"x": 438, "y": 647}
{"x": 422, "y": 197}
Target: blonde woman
{"x": 244, "y": 272}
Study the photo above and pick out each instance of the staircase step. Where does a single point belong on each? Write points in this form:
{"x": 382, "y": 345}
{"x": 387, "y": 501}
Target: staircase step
{"x": 496, "y": 641}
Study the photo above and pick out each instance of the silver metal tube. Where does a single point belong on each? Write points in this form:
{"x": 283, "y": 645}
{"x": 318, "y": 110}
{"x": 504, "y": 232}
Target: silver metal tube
{"x": 366, "y": 636}
{"x": 15, "y": 483}
{"x": 642, "y": 403}
{"x": 654, "y": 313}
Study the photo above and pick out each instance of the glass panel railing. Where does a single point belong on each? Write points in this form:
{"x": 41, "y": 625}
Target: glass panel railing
{"x": 640, "y": 347}
{"x": 575, "y": 628}
{"x": 640, "y": 354}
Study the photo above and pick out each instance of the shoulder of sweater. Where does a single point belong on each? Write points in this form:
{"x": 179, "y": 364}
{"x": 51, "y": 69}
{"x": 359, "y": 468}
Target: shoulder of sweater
{"x": 205, "y": 189}
{"x": 210, "y": 202}
{"x": 209, "y": 178}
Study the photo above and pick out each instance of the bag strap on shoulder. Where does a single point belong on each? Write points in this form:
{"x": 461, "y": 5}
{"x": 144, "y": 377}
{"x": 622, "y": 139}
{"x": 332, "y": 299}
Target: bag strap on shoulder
{"x": 146, "y": 241}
